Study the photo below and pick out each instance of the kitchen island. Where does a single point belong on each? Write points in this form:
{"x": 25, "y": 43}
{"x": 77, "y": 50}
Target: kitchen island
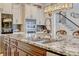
{"x": 56, "y": 48}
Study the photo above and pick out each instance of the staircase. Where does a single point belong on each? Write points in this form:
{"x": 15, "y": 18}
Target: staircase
{"x": 69, "y": 23}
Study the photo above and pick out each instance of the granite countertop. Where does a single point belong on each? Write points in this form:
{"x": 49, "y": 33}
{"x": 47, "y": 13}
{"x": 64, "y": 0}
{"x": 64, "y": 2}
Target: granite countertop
{"x": 64, "y": 47}
{"x": 69, "y": 47}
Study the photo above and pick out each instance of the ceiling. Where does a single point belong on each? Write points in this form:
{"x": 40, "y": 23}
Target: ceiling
{"x": 42, "y": 4}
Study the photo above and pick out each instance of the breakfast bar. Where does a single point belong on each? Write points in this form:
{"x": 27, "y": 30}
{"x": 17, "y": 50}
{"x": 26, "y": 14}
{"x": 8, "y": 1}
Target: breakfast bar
{"x": 40, "y": 48}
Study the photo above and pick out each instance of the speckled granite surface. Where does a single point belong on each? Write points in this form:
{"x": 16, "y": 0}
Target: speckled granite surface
{"x": 69, "y": 47}
{"x": 65, "y": 47}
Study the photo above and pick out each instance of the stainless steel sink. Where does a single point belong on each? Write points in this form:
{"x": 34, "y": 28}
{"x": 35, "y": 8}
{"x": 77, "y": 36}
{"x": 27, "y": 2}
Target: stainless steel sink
{"x": 49, "y": 41}
{"x": 46, "y": 41}
{"x": 43, "y": 41}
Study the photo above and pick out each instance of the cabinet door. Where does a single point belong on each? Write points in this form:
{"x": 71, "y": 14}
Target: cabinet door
{"x": 22, "y": 53}
{"x": 40, "y": 19}
{"x": 17, "y": 14}
{"x": 7, "y": 8}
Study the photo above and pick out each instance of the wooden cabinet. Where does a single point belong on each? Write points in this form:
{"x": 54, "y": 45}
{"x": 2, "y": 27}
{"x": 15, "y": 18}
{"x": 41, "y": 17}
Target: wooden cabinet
{"x": 40, "y": 17}
{"x": 33, "y": 12}
{"x": 6, "y": 8}
{"x": 15, "y": 9}
{"x": 17, "y": 19}
{"x": 13, "y": 47}
{"x": 32, "y": 50}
